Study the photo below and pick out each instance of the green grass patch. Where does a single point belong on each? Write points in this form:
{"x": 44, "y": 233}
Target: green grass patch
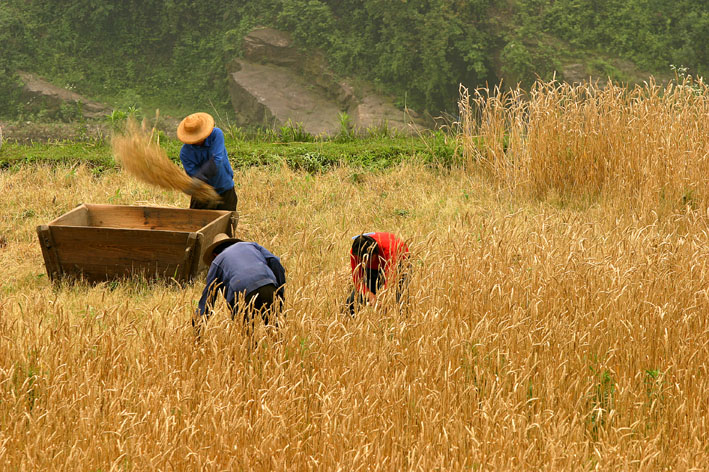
{"x": 317, "y": 156}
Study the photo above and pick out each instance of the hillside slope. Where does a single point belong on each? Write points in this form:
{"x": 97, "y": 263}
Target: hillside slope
{"x": 174, "y": 54}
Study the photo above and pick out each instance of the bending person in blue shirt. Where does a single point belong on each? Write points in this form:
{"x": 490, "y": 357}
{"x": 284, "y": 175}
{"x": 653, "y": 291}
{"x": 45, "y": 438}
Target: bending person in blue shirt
{"x": 204, "y": 157}
{"x": 242, "y": 270}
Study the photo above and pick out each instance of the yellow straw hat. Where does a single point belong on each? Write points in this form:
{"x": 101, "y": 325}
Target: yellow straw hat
{"x": 195, "y": 128}
{"x": 219, "y": 239}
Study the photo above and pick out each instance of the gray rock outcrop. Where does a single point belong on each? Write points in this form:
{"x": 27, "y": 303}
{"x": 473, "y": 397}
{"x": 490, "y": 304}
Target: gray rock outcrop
{"x": 270, "y": 95}
{"x": 274, "y": 83}
{"x": 51, "y": 97}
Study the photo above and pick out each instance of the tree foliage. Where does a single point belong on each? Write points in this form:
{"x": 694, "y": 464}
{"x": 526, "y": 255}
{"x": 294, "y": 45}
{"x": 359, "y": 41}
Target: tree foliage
{"x": 175, "y": 51}
{"x": 652, "y": 33}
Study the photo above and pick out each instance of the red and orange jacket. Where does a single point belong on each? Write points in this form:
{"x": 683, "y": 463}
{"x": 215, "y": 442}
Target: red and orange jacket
{"x": 392, "y": 251}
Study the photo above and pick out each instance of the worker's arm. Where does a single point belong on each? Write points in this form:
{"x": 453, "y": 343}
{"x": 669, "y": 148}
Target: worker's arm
{"x": 189, "y": 161}
{"x": 217, "y": 148}
{"x": 217, "y": 155}
{"x": 206, "y": 171}
{"x": 215, "y": 284}
{"x": 279, "y": 272}
{"x": 209, "y": 168}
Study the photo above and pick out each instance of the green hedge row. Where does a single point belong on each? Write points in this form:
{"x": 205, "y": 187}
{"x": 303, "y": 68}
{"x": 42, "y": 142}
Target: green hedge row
{"x": 317, "y": 156}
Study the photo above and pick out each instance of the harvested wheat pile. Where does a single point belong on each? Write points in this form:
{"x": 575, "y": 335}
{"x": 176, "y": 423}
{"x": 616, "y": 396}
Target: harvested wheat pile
{"x": 143, "y": 157}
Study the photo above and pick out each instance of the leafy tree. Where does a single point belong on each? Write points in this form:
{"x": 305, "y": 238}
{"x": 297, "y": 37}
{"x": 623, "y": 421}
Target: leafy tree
{"x": 176, "y": 51}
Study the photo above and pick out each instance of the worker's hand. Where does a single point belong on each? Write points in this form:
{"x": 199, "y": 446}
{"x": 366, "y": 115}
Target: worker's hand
{"x": 194, "y": 185}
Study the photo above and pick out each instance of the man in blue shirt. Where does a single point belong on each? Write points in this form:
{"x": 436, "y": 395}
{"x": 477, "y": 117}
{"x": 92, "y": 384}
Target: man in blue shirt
{"x": 204, "y": 157}
{"x": 242, "y": 270}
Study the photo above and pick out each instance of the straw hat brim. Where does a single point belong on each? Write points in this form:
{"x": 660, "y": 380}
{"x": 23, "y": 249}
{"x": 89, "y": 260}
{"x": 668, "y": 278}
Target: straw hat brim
{"x": 219, "y": 240}
{"x": 195, "y": 128}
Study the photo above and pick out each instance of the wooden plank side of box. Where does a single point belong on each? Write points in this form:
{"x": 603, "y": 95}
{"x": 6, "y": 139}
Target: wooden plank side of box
{"x": 79, "y": 216}
{"x": 106, "y": 253}
{"x": 155, "y": 218}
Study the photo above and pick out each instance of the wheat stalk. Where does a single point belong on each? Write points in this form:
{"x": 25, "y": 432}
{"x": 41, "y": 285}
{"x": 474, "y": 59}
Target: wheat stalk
{"x": 143, "y": 158}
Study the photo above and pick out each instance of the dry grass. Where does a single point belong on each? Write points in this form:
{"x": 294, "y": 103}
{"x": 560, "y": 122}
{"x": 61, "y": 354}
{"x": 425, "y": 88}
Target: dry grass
{"x": 143, "y": 158}
{"x": 647, "y": 146}
{"x": 538, "y": 338}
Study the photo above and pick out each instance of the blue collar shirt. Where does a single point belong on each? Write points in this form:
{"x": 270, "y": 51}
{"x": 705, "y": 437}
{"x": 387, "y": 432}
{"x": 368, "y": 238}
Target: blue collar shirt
{"x": 209, "y": 162}
{"x": 241, "y": 268}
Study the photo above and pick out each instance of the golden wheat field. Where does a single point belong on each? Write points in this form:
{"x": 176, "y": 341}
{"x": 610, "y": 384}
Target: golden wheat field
{"x": 554, "y": 331}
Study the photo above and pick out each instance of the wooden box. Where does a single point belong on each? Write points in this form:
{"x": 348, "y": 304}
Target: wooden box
{"x": 104, "y": 242}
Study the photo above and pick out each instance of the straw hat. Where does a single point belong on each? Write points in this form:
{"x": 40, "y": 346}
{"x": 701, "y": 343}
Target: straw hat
{"x": 195, "y": 128}
{"x": 219, "y": 239}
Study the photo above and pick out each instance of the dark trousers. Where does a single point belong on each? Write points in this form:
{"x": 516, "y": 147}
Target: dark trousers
{"x": 261, "y": 301}
{"x": 264, "y": 301}
{"x": 357, "y": 298}
{"x": 229, "y": 200}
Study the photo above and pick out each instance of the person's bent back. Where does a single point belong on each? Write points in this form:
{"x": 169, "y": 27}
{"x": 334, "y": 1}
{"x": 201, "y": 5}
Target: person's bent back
{"x": 376, "y": 259}
{"x": 246, "y": 271}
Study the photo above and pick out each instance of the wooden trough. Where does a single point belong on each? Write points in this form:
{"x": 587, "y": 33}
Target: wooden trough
{"x": 104, "y": 242}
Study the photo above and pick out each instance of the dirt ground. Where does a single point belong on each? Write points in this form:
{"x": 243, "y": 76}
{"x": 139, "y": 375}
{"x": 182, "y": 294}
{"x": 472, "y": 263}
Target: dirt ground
{"x": 26, "y": 132}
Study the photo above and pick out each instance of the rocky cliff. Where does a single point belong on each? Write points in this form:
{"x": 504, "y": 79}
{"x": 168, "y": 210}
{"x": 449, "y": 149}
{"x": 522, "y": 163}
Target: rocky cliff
{"x": 275, "y": 83}
{"x": 50, "y": 97}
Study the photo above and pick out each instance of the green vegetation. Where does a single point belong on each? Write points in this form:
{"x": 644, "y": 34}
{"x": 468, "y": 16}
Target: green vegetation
{"x": 313, "y": 156}
{"x": 651, "y": 33}
{"x": 173, "y": 54}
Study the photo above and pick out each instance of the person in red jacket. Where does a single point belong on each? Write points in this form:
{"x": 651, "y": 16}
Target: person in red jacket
{"x": 378, "y": 260}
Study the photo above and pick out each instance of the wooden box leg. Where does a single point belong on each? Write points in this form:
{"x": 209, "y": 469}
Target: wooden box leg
{"x": 49, "y": 251}
{"x": 234, "y": 223}
{"x": 190, "y": 264}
